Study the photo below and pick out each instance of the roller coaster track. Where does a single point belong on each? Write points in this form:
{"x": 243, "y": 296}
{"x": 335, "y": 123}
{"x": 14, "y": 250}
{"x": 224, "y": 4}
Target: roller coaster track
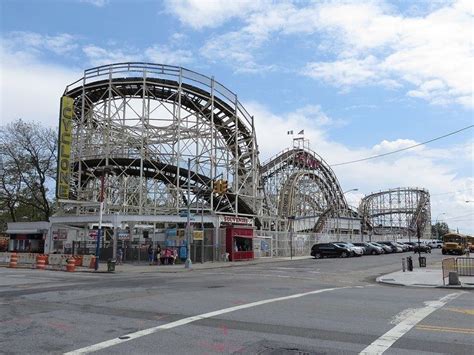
{"x": 215, "y": 131}
{"x": 202, "y": 185}
{"x": 401, "y": 209}
{"x": 193, "y": 99}
{"x": 304, "y": 164}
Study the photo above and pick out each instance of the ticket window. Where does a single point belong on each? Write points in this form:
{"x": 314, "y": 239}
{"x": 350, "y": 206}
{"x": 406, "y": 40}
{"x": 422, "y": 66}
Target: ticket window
{"x": 242, "y": 244}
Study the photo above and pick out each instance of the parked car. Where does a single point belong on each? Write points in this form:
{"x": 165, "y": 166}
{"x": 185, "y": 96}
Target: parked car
{"x": 435, "y": 244}
{"x": 422, "y": 248}
{"x": 321, "y": 250}
{"x": 356, "y": 251}
{"x": 403, "y": 246}
{"x": 386, "y": 249}
{"x": 395, "y": 248}
{"x": 411, "y": 245}
{"x": 369, "y": 248}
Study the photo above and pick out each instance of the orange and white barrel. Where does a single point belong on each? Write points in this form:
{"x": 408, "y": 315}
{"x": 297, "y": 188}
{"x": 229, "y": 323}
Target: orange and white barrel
{"x": 71, "y": 264}
{"x": 13, "y": 260}
{"x": 41, "y": 262}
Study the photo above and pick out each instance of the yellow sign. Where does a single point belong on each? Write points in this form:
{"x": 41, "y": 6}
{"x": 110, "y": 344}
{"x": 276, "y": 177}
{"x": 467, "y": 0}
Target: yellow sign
{"x": 64, "y": 147}
{"x": 198, "y": 235}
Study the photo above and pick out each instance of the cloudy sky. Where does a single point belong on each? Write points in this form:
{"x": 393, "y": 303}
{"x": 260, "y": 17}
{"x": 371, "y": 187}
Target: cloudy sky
{"x": 362, "y": 78}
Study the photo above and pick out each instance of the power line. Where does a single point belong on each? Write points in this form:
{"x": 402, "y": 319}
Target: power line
{"x": 403, "y": 149}
{"x": 452, "y": 192}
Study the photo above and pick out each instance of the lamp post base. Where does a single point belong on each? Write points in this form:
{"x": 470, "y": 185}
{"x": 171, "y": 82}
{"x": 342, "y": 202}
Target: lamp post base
{"x": 188, "y": 264}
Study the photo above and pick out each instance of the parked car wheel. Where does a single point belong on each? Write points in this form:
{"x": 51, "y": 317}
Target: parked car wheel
{"x": 344, "y": 254}
{"x": 374, "y": 252}
{"x": 318, "y": 256}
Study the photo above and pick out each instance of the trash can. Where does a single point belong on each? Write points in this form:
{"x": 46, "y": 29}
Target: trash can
{"x": 409, "y": 263}
{"x": 422, "y": 261}
{"x": 111, "y": 265}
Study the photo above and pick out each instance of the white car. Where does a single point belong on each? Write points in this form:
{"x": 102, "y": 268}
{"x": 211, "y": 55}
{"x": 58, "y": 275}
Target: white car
{"x": 435, "y": 244}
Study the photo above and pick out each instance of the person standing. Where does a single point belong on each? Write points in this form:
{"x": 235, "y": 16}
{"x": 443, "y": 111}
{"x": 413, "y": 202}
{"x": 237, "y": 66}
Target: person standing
{"x": 157, "y": 253}
{"x": 119, "y": 256}
{"x": 150, "y": 254}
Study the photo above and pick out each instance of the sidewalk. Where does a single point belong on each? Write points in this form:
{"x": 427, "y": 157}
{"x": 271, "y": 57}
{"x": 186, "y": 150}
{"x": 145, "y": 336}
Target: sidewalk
{"x": 145, "y": 268}
{"x": 424, "y": 277}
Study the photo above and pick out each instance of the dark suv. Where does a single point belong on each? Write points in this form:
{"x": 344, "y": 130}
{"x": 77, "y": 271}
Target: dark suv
{"x": 329, "y": 249}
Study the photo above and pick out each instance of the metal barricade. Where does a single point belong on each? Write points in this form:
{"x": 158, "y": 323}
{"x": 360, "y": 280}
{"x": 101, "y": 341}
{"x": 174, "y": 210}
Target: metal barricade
{"x": 465, "y": 266}
{"x": 448, "y": 265}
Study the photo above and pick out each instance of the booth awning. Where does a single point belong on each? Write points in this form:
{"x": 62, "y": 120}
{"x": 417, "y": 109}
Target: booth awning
{"x": 25, "y": 231}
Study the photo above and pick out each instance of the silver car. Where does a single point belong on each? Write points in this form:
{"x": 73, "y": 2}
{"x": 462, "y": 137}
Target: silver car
{"x": 386, "y": 248}
{"x": 356, "y": 251}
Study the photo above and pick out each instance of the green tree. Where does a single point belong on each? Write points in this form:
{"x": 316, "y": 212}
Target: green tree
{"x": 439, "y": 229}
{"x": 29, "y": 160}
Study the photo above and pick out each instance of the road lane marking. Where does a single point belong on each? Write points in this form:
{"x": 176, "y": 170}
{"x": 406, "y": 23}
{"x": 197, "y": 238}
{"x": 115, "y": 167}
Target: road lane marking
{"x": 184, "y": 321}
{"x": 386, "y": 341}
{"x": 462, "y": 310}
{"x": 445, "y": 329}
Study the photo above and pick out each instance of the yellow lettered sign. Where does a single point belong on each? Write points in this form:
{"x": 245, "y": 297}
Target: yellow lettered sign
{"x": 198, "y": 235}
{"x": 64, "y": 147}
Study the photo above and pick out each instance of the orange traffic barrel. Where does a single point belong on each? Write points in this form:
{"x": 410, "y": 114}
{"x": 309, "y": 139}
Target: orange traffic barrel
{"x": 13, "y": 260}
{"x": 41, "y": 262}
{"x": 92, "y": 263}
{"x": 71, "y": 264}
{"x": 78, "y": 260}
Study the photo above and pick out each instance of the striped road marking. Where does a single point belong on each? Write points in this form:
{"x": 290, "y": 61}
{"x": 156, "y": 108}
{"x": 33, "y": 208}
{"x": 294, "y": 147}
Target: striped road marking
{"x": 412, "y": 319}
{"x": 141, "y": 333}
{"x": 435, "y": 328}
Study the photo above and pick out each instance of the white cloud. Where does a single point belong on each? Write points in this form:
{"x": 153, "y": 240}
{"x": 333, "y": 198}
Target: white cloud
{"x": 364, "y": 43}
{"x": 210, "y": 13}
{"x": 101, "y": 56}
{"x": 30, "y": 89}
{"x": 32, "y": 44}
{"x": 345, "y": 73}
{"x": 161, "y": 54}
{"x": 98, "y": 3}
{"x": 432, "y": 53}
{"x": 166, "y": 55}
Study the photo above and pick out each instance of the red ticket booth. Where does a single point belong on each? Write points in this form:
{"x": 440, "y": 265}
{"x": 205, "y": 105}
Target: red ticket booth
{"x": 239, "y": 243}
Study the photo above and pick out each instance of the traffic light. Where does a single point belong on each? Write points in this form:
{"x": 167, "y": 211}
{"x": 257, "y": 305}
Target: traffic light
{"x": 217, "y": 188}
{"x": 223, "y": 186}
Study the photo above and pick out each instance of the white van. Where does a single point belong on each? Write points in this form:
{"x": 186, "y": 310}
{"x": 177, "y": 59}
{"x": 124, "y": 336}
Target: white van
{"x": 435, "y": 244}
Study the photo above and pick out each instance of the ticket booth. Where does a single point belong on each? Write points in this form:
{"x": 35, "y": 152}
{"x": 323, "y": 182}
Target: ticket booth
{"x": 239, "y": 243}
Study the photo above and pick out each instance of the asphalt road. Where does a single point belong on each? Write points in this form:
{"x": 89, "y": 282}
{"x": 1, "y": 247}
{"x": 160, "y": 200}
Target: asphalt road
{"x": 295, "y": 307}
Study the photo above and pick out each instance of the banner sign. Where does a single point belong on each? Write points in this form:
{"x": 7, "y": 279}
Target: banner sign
{"x": 93, "y": 234}
{"x": 123, "y": 234}
{"x": 198, "y": 235}
{"x": 60, "y": 234}
{"x": 64, "y": 147}
{"x": 237, "y": 220}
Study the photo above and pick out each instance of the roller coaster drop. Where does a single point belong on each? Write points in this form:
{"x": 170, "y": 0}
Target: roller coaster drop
{"x": 135, "y": 128}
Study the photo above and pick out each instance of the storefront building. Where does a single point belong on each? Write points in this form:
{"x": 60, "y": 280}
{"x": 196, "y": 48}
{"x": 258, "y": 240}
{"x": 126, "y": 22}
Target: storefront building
{"x": 27, "y": 237}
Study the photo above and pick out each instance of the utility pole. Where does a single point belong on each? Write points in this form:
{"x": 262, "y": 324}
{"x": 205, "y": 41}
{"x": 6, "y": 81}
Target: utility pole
{"x": 188, "y": 263}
